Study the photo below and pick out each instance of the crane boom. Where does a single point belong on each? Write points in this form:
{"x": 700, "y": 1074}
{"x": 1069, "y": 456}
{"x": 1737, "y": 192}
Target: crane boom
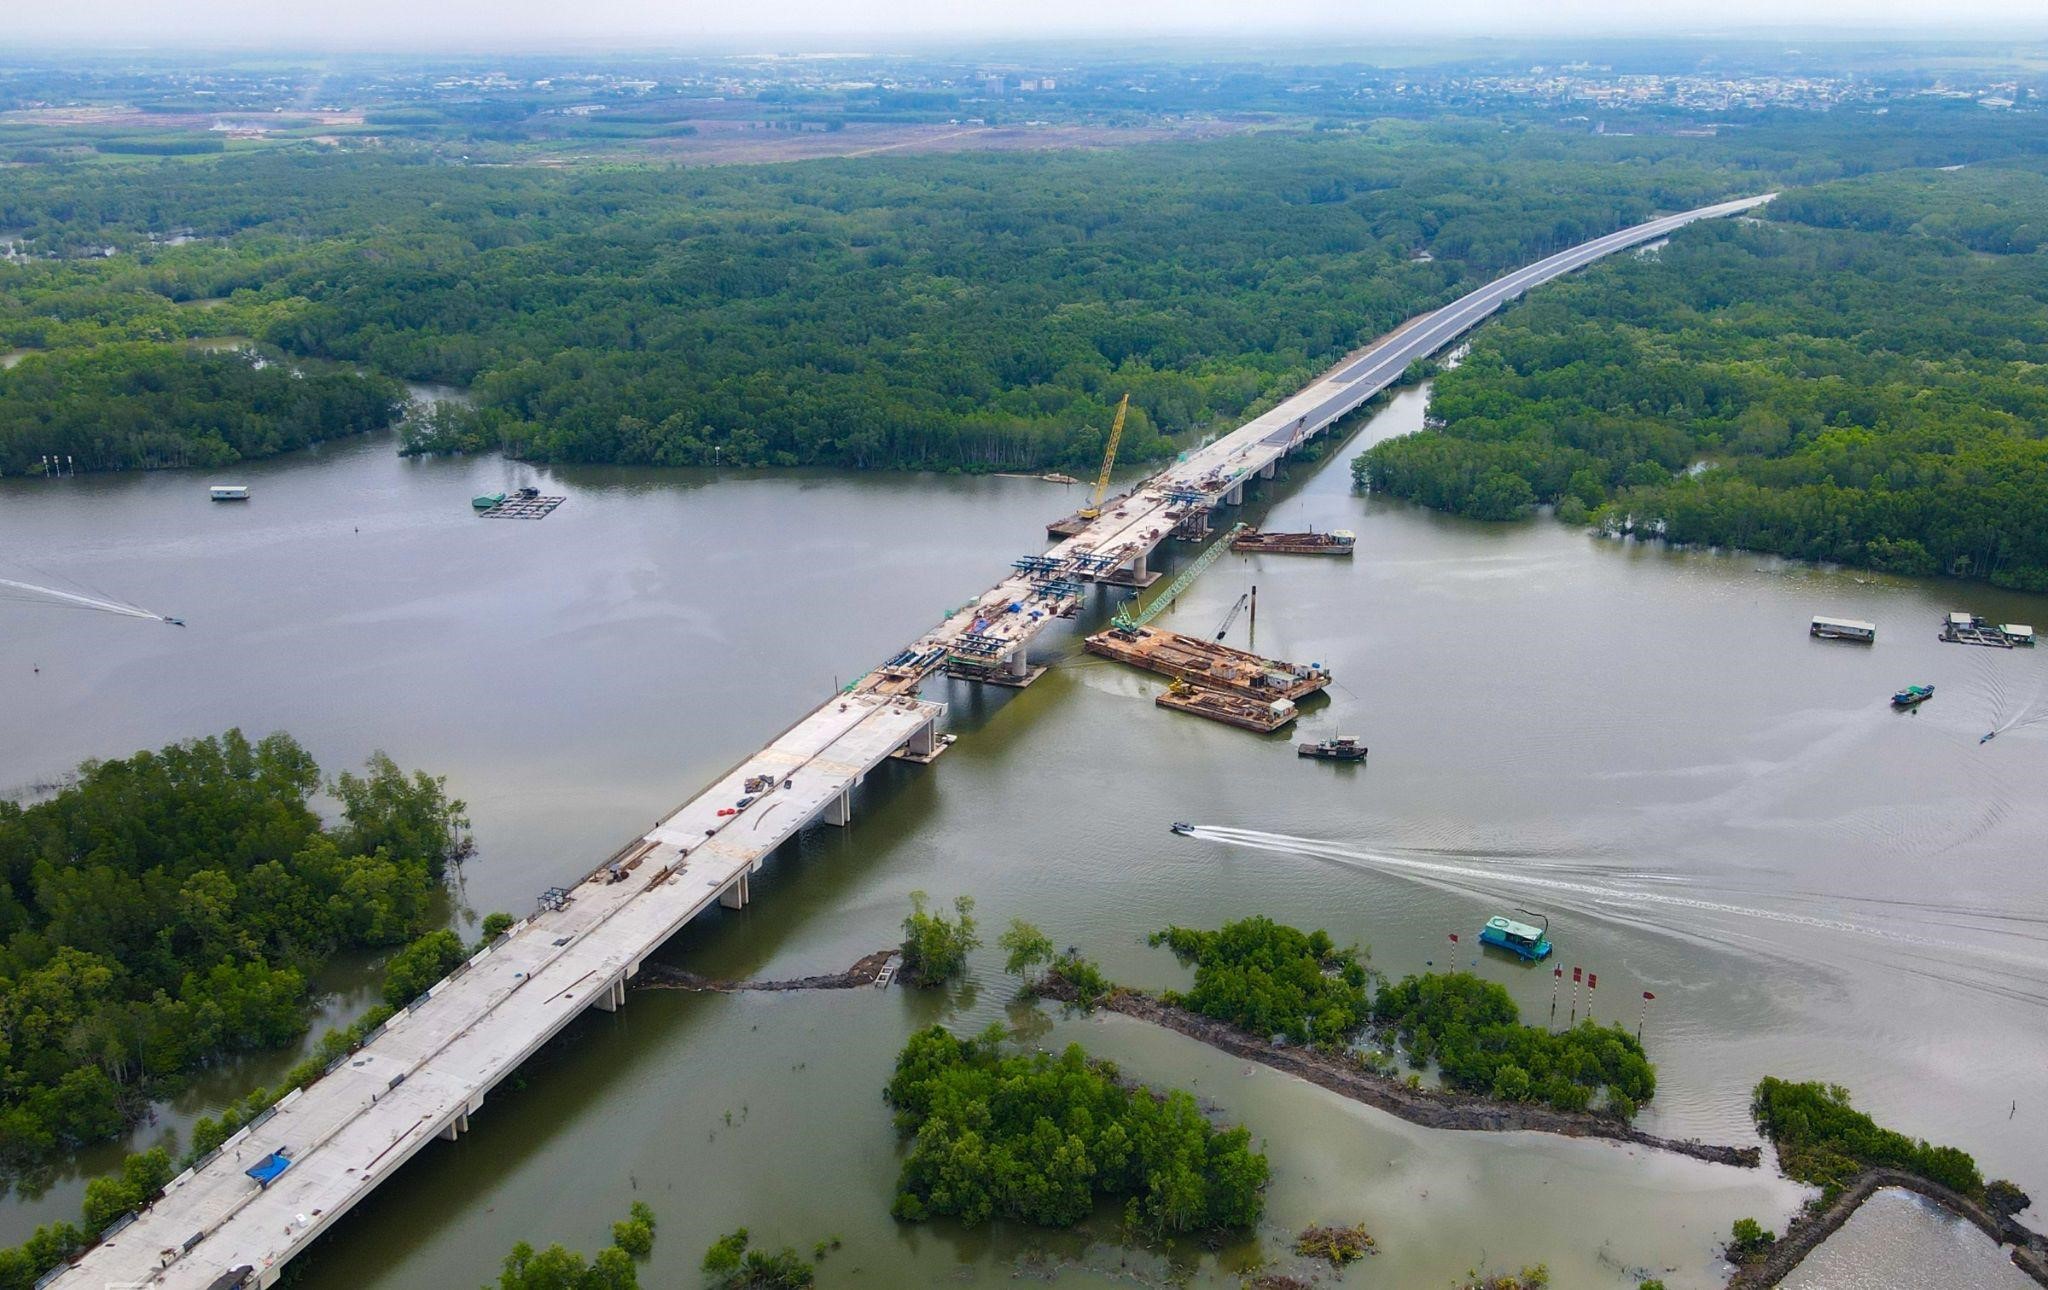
{"x": 1231, "y": 617}
{"x": 1093, "y": 509}
{"x": 1126, "y": 621}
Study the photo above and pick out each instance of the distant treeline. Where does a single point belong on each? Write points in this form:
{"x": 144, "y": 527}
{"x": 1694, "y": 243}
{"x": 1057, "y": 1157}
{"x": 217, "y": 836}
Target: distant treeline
{"x": 1853, "y": 380}
{"x": 975, "y": 311}
{"x": 145, "y": 406}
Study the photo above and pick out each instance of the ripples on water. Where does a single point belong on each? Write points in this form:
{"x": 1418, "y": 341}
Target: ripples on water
{"x": 1643, "y": 745}
{"x": 1898, "y": 1240}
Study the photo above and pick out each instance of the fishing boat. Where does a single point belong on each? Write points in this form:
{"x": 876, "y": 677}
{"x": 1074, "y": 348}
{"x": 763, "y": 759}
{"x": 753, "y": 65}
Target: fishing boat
{"x": 1503, "y": 933}
{"x": 485, "y": 501}
{"x": 1182, "y": 829}
{"x": 1912, "y": 696}
{"x": 1342, "y": 748}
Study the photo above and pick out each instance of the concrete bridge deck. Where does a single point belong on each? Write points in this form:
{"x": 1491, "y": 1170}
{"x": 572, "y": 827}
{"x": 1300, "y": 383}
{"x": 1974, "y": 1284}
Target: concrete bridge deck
{"x": 431, "y": 1067}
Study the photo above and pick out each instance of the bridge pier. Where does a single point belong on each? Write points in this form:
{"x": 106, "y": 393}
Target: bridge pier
{"x": 1269, "y": 470}
{"x": 1018, "y": 665}
{"x": 839, "y": 810}
{"x": 735, "y": 896}
{"x": 614, "y": 996}
{"x": 1235, "y": 497}
{"x": 455, "y": 1128}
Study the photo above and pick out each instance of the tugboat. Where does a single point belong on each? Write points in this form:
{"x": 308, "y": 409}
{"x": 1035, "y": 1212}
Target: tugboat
{"x": 1530, "y": 943}
{"x": 1912, "y": 696}
{"x": 1342, "y": 748}
{"x": 1182, "y": 829}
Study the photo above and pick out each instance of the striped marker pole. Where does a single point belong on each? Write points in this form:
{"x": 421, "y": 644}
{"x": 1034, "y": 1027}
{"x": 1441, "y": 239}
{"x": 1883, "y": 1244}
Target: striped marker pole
{"x": 1644, "y": 1015}
{"x": 1556, "y": 980}
{"x": 1592, "y": 984}
{"x": 1577, "y": 976}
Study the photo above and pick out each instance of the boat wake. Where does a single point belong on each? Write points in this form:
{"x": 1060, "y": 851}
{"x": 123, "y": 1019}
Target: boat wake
{"x": 2006, "y": 712}
{"x": 29, "y": 593}
{"x": 1636, "y": 898}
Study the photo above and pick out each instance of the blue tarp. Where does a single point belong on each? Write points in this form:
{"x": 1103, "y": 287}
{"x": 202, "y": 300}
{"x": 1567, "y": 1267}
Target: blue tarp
{"x": 266, "y": 1170}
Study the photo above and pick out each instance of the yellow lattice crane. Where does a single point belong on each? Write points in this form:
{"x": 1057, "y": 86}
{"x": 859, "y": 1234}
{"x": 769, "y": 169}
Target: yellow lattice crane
{"x": 1093, "y": 509}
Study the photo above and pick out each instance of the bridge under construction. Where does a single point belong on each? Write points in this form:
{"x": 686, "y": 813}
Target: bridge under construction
{"x": 238, "y": 1216}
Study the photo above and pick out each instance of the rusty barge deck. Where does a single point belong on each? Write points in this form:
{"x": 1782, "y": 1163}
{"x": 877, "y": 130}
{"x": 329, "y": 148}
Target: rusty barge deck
{"x": 1208, "y": 664}
{"x": 1310, "y": 543}
{"x": 1246, "y": 713}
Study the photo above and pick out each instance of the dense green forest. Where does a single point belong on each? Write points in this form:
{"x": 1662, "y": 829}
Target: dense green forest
{"x": 968, "y": 311}
{"x": 1472, "y": 1029}
{"x": 1043, "y": 1138}
{"x": 1272, "y": 979}
{"x": 1822, "y": 1139}
{"x": 141, "y": 406}
{"x": 167, "y": 908}
{"x": 1856, "y": 379}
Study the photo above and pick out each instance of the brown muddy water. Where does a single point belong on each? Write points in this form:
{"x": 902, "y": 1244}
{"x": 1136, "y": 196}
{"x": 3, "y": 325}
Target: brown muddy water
{"x": 1643, "y": 745}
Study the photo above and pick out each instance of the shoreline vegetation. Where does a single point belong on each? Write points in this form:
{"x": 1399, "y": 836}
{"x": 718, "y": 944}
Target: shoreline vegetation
{"x": 143, "y": 406}
{"x": 165, "y": 910}
{"x": 1430, "y": 1108}
{"x": 1851, "y": 378}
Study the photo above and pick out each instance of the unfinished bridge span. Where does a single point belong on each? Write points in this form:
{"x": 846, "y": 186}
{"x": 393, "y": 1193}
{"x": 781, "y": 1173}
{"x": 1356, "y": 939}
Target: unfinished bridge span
{"x": 237, "y": 1217}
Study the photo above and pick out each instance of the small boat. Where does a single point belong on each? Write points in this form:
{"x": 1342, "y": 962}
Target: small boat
{"x": 1183, "y": 829}
{"x": 528, "y": 493}
{"x": 228, "y": 492}
{"x": 485, "y": 501}
{"x": 1531, "y": 943}
{"x": 1912, "y": 696}
{"x": 1342, "y": 748}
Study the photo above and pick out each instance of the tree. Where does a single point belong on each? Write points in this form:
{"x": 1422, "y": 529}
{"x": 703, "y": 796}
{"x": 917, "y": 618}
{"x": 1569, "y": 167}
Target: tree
{"x": 1042, "y": 1139}
{"x": 730, "y": 1265}
{"x": 1748, "y": 1241}
{"x": 935, "y": 948}
{"x": 558, "y": 1268}
{"x": 414, "y": 969}
{"x": 1271, "y": 979}
{"x": 1027, "y": 949}
{"x": 167, "y": 908}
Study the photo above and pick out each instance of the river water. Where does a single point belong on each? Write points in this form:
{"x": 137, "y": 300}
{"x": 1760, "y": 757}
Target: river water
{"x": 1643, "y": 745}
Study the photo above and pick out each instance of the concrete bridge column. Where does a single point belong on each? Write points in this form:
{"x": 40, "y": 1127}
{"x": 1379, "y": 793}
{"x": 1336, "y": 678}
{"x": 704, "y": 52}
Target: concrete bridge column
{"x": 1235, "y": 497}
{"x": 1018, "y": 663}
{"x": 613, "y": 998}
{"x": 839, "y": 810}
{"x": 1141, "y": 568}
{"x": 735, "y": 896}
{"x": 925, "y": 741}
{"x": 1269, "y": 470}
{"x": 455, "y": 1128}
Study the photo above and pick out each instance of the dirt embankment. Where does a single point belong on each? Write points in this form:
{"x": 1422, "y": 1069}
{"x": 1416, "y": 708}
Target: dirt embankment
{"x": 1431, "y": 1108}
{"x": 660, "y": 976}
{"x": 1813, "y": 1226}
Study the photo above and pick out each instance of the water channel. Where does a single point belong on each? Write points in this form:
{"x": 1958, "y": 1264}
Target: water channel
{"x": 1643, "y": 744}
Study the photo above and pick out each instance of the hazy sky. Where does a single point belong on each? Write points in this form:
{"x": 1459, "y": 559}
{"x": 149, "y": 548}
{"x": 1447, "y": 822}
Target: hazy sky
{"x": 824, "y": 24}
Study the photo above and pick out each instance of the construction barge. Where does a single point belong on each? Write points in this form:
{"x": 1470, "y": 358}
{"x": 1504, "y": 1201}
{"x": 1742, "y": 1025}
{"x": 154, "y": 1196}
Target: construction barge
{"x": 1246, "y": 713}
{"x": 1211, "y": 666}
{"x": 1968, "y": 629}
{"x": 1337, "y": 542}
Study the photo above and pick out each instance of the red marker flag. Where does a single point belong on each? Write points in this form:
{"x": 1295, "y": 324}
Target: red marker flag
{"x": 1592, "y": 980}
{"x": 1576, "y": 978}
{"x": 1454, "y": 938}
{"x": 1647, "y": 996}
{"x": 1557, "y": 972}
